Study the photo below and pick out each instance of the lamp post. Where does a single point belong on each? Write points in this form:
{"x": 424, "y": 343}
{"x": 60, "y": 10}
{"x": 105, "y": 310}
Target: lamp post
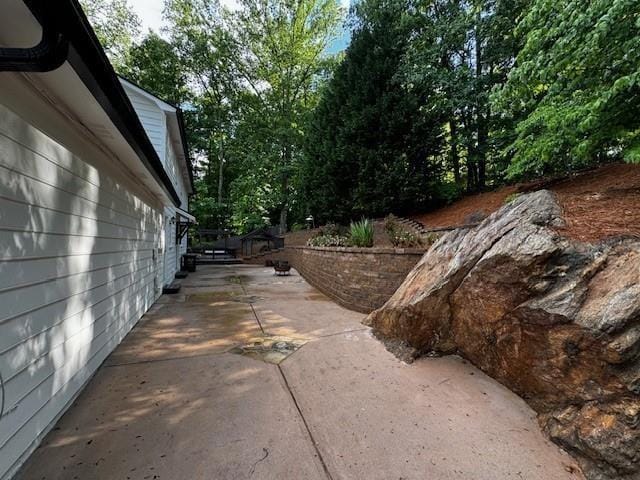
{"x": 310, "y": 222}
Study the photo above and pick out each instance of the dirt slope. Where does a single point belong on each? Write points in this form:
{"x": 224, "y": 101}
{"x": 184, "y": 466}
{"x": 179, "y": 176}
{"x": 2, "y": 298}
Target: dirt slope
{"x": 597, "y": 204}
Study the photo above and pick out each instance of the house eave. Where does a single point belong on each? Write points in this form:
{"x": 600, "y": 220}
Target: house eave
{"x": 87, "y": 58}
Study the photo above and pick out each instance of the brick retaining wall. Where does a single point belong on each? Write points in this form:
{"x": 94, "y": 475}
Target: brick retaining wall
{"x": 360, "y": 279}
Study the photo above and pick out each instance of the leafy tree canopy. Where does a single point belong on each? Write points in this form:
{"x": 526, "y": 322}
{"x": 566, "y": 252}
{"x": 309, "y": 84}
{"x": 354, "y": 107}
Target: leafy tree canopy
{"x": 574, "y": 94}
{"x": 432, "y": 98}
{"x": 155, "y": 65}
{"x": 116, "y": 26}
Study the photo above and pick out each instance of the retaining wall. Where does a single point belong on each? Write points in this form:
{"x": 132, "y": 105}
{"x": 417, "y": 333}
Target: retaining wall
{"x": 360, "y": 279}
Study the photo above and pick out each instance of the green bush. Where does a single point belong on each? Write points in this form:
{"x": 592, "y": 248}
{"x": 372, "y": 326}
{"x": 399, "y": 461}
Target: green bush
{"x": 361, "y": 233}
{"x": 399, "y": 236}
{"x": 406, "y": 239}
{"x": 329, "y": 235}
{"x": 331, "y": 230}
{"x": 430, "y": 238}
{"x": 329, "y": 241}
{"x": 511, "y": 198}
{"x": 391, "y": 224}
{"x": 449, "y": 192}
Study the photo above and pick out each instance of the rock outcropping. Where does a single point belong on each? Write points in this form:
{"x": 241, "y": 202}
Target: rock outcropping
{"x": 556, "y": 321}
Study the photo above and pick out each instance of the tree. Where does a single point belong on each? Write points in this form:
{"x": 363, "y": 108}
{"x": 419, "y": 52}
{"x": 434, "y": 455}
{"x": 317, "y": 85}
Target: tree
{"x": 279, "y": 54}
{"x": 371, "y": 147}
{"x": 202, "y": 44}
{"x": 463, "y": 49}
{"x": 254, "y": 73}
{"x": 155, "y": 65}
{"x": 575, "y": 91}
{"x": 116, "y": 26}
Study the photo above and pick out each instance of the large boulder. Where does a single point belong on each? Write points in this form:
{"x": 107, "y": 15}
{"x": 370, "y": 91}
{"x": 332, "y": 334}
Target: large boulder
{"x": 557, "y": 321}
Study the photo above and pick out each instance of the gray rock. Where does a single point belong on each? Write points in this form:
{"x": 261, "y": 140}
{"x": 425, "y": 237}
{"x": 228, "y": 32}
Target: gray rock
{"x": 556, "y": 321}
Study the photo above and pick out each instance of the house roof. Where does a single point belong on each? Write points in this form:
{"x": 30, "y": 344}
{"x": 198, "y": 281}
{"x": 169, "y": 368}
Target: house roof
{"x": 64, "y": 21}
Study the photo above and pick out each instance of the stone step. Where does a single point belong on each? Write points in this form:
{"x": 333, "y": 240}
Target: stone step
{"x": 173, "y": 287}
{"x": 219, "y": 261}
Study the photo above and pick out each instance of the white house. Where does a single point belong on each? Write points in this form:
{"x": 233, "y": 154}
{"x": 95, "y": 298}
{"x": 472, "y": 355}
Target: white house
{"x": 92, "y": 198}
{"x": 164, "y": 126}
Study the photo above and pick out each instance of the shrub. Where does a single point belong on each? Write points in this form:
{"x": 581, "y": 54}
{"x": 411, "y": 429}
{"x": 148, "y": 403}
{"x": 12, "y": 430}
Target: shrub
{"x": 399, "y": 236}
{"x": 448, "y": 192}
{"x": 331, "y": 230}
{"x": 361, "y": 233}
{"x": 329, "y": 235}
{"x": 430, "y": 238}
{"x": 329, "y": 241}
{"x": 407, "y": 239}
{"x": 391, "y": 224}
{"x": 511, "y": 198}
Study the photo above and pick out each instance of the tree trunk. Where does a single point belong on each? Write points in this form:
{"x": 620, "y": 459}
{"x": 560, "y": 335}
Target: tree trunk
{"x": 482, "y": 129}
{"x": 220, "y": 173}
{"x": 283, "y": 219}
{"x": 455, "y": 157}
{"x": 483, "y": 134}
{"x": 286, "y": 160}
{"x": 472, "y": 174}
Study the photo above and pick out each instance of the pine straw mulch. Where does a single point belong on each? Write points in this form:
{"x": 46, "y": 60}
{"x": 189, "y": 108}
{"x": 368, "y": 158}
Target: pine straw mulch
{"x": 597, "y": 204}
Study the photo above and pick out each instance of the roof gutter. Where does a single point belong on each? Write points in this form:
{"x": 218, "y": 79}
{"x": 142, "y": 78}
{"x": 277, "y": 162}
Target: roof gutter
{"x": 68, "y": 36}
{"x": 183, "y": 133}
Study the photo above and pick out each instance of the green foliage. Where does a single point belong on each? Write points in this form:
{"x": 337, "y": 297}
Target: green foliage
{"x": 406, "y": 239}
{"x": 448, "y": 192}
{"x": 297, "y": 227}
{"x": 432, "y": 99}
{"x": 369, "y": 147}
{"x": 154, "y": 64}
{"x": 574, "y": 94}
{"x": 329, "y": 241}
{"x": 361, "y": 233}
{"x": 391, "y": 224}
{"x": 510, "y": 198}
{"x": 406, "y": 117}
{"x": 331, "y": 229}
{"x": 331, "y": 235}
{"x": 207, "y": 210}
{"x": 116, "y": 26}
{"x": 256, "y": 71}
{"x": 430, "y": 238}
{"x": 400, "y": 236}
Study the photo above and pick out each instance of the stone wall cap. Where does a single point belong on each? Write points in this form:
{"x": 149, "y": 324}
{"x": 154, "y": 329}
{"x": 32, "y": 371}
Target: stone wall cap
{"x": 364, "y": 250}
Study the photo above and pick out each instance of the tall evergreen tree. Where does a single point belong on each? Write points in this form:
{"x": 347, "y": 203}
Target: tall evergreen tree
{"x": 370, "y": 147}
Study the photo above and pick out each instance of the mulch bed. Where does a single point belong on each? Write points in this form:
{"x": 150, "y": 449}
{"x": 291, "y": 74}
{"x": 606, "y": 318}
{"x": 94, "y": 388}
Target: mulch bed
{"x": 597, "y": 204}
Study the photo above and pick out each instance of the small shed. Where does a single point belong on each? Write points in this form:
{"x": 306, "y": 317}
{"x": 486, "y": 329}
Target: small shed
{"x": 260, "y": 240}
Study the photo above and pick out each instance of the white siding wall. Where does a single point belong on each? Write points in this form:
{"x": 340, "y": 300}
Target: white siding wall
{"x": 170, "y": 253}
{"x": 78, "y": 261}
{"x": 174, "y": 169}
{"x": 153, "y": 120}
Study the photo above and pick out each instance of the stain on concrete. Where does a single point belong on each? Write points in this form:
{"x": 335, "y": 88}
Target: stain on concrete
{"x": 238, "y": 279}
{"x": 269, "y": 348}
{"x": 219, "y": 296}
{"x": 247, "y": 299}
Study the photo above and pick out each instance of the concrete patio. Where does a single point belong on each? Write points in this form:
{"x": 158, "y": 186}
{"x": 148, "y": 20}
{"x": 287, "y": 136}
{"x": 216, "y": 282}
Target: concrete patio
{"x": 174, "y": 400}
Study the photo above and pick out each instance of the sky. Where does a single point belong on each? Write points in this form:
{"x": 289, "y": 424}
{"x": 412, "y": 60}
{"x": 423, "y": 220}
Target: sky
{"x": 150, "y": 13}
